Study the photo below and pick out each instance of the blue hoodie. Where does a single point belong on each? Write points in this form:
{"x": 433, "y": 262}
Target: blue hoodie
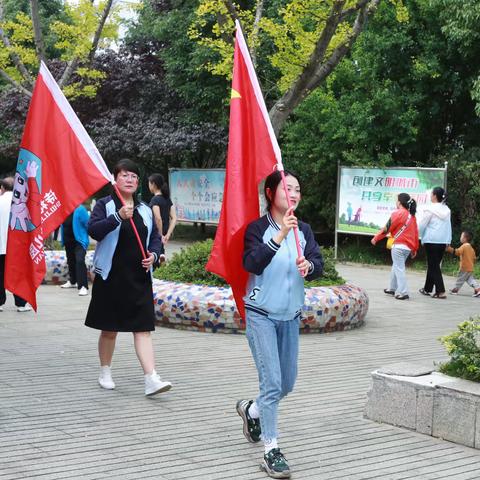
{"x": 80, "y": 227}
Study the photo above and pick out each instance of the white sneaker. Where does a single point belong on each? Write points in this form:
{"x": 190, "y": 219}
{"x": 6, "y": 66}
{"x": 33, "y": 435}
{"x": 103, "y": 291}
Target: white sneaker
{"x": 67, "y": 284}
{"x": 105, "y": 379}
{"x": 1, "y": 309}
{"x": 26, "y": 308}
{"x": 83, "y": 291}
{"x": 154, "y": 385}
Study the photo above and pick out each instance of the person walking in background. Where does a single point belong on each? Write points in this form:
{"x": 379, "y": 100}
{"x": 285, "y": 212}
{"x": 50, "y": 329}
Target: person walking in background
{"x": 436, "y": 233}
{"x": 273, "y": 303}
{"x": 6, "y": 193}
{"x": 163, "y": 209}
{"x": 122, "y": 295}
{"x": 75, "y": 241}
{"x": 467, "y": 263}
{"x": 402, "y": 227}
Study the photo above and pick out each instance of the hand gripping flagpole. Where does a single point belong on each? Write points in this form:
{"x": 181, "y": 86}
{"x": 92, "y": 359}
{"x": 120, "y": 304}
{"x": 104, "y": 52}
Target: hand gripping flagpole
{"x": 135, "y": 231}
{"x": 289, "y": 203}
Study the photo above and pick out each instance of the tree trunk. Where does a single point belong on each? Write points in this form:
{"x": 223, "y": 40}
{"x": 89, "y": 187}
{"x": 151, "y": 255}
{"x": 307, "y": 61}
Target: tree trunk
{"x": 317, "y": 68}
{"x": 37, "y": 31}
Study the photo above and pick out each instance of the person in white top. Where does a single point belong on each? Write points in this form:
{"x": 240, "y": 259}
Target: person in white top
{"x": 436, "y": 232}
{"x": 6, "y": 193}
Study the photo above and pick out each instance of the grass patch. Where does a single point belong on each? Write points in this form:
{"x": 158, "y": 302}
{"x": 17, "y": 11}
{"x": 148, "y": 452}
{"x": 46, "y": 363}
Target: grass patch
{"x": 357, "y": 228}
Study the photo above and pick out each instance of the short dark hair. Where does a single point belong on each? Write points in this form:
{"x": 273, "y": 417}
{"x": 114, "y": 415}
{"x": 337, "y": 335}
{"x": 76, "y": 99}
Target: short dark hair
{"x": 468, "y": 235}
{"x": 125, "y": 165}
{"x": 7, "y": 183}
{"x": 272, "y": 182}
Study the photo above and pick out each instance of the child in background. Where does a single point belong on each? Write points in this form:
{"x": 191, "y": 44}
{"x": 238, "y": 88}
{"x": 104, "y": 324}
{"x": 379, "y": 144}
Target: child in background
{"x": 467, "y": 261}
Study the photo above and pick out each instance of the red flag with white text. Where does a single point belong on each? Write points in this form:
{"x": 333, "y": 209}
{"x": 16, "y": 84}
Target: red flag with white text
{"x": 58, "y": 168}
{"x": 252, "y": 154}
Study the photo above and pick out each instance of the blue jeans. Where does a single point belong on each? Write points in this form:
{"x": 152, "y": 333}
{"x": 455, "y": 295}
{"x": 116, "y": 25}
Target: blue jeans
{"x": 274, "y": 346}
{"x": 398, "y": 277}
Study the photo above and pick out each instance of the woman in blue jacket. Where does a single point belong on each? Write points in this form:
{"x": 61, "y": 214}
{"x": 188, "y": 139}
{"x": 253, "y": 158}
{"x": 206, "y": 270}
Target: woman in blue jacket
{"x": 273, "y": 303}
{"x": 122, "y": 296}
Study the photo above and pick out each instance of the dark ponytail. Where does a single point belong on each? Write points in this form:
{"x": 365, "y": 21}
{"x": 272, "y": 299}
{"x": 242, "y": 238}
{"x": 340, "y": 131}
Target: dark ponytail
{"x": 440, "y": 194}
{"x": 160, "y": 183}
{"x": 406, "y": 201}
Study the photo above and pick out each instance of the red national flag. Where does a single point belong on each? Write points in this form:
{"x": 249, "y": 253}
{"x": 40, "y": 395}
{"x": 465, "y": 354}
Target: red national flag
{"x": 252, "y": 154}
{"x": 58, "y": 168}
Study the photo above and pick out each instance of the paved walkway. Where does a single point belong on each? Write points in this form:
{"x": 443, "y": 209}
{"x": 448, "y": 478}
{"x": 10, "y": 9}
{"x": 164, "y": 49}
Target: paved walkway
{"x": 56, "y": 423}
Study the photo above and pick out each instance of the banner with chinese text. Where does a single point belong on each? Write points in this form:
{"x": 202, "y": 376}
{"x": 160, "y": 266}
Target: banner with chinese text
{"x": 197, "y": 194}
{"x": 367, "y": 196}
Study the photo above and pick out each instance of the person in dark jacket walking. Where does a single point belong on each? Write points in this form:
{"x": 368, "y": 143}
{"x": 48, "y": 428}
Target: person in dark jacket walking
{"x": 122, "y": 296}
{"x": 75, "y": 240}
{"x": 273, "y": 303}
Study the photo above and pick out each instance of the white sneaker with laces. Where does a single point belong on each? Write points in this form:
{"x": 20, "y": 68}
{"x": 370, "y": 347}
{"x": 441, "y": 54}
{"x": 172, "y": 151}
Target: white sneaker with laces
{"x": 83, "y": 291}
{"x": 154, "y": 385}
{"x": 26, "y": 308}
{"x": 67, "y": 284}
{"x": 105, "y": 379}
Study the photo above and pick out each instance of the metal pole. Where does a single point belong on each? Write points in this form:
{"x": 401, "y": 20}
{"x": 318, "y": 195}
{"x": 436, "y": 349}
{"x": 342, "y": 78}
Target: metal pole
{"x": 337, "y": 208}
{"x": 446, "y": 174}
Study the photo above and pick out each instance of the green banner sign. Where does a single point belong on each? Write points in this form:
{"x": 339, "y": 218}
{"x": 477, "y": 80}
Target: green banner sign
{"x": 367, "y": 196}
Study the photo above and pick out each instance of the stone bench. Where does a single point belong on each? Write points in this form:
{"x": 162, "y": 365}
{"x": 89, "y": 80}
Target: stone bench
{"x": 57, "y": 268}
{"x": 206, "y": 308}
{"x": 427, "y": 402}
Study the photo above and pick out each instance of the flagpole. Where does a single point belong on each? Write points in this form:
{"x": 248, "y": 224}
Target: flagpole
{"x": 289, "y": 203}
{"x": 117, "y": 191}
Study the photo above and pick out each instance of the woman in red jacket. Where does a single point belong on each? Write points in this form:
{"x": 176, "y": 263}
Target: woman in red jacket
{"x": 402, "y": 227}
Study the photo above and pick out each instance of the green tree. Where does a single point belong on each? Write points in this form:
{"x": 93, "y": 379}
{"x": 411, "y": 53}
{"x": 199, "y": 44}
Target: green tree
{"x": 71, "y": 31}
{"x": 403, "y": 97}
{"x": 309, "y": 40}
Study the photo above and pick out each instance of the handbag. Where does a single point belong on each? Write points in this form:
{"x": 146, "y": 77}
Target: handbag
{"x": 391, "y": 240}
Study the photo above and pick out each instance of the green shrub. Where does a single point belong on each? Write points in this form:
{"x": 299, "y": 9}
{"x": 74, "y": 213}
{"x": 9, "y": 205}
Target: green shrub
{"x": 463, "y": 346}
{"x": 188, "y": 266}
{"x": 330, "y": 275}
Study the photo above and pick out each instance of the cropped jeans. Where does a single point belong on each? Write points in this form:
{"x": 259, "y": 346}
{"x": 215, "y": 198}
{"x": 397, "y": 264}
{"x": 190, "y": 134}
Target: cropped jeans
{"x": 274, "y": 347}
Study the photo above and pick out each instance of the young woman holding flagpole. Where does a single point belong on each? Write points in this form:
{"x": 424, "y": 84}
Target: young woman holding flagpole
{"x": 266, "y": 271}
{"x": 122, "y": 297}
{"x": 273, "y": 303}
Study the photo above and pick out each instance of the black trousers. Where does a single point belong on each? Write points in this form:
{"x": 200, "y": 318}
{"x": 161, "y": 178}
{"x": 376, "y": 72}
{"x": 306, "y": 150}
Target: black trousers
{"x": 77, "y": 270}
{"x": 19, "y": 302}
{"x": 434, "y": 278}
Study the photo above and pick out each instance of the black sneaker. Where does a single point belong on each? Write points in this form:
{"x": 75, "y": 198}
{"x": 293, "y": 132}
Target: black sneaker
{"x": 275, "y": 464}
{"x": 251, "y": 426}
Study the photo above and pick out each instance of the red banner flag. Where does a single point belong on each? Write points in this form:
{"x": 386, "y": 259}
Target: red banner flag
{"x": 252, "y": 154}
{"x": 58, "y": 168}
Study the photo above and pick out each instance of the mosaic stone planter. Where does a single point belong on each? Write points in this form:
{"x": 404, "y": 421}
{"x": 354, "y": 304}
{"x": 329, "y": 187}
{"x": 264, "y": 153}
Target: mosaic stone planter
{"x": 212, "y": 309}
{"x": 57, "y": 268}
